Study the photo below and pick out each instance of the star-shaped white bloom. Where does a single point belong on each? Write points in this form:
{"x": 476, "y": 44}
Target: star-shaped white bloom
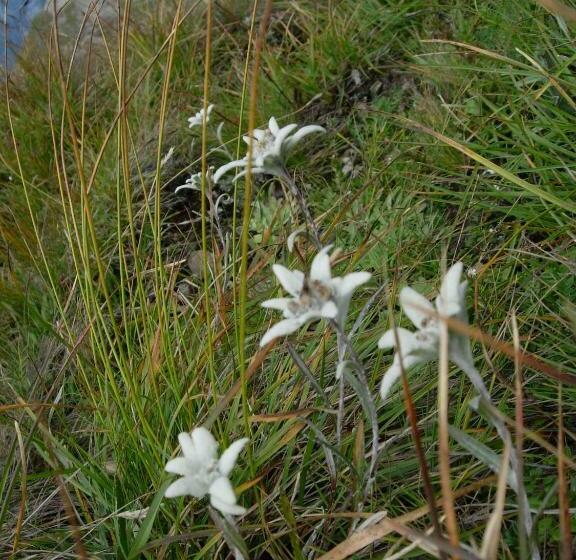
{"x": 270, "y": 148}
{"x": 194, "y": 182}
{"x": 202, "y": 472}
{"x": 423, "y": 345}
{"x": 198, "y": 118}
{"x": 316, "y": 296}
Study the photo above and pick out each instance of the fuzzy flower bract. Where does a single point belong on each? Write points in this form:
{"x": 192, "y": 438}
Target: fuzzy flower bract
{"x": 199, "y": 117}
{"x": 316, "y": 296}
{"x": 270, "y": 148}
{"x": 422, "y": 345}
{"x": 194, "y": 182}
{"x": 202, "y": 472}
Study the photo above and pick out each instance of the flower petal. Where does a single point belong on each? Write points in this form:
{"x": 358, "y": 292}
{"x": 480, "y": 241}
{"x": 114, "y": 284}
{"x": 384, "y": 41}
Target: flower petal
{"x": 287, "y": 326}
{"x": 259, "y": 134}
{"x": 292, "y": 280}
{"x": 304, "y": 131}
{"x": 415, "y": 306}
{"x": 273, "y": 126}
{"x": 189, "y": 185}
{"x": 390, "y": 378}
{"x": 395, "y": 371}
{"x": 329, "y": 310}
{"x": 185, "y": 486}
{"x": 230, "y": 509}
{"x": 229, "y": 457}
{"x": 181, "y": 466}
{"x": 276, "y": 303}
{"x": 388, "y": 339}
{"x": 351, "y": 281}
{"x": 226, "y": 167}
{"x": 320, "y": 269}
{"x": 188, "y": 448}
{"x": 449, "y": 301}
{"x": 205, "y": 444}
{"x": 292, "y": 238}
{"x": 222, "y": 489}
{"x": 281, "y": 138}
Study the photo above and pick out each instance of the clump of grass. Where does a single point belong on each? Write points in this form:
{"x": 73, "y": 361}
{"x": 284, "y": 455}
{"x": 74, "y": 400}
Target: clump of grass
{"x": 450, "y": 133}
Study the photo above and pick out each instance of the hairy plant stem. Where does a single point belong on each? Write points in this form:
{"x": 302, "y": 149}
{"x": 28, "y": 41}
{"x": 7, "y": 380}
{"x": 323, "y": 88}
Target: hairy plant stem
{"x": 299, "y": 197}
{"x": 345, "y": 345}
{"x": 227, "y": 525}
{"x": 341, "y": 345}
{"x": 494, "y": 417}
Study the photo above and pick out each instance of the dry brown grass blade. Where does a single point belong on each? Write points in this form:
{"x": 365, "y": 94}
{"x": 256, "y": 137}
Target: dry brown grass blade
{"x": 415, "y": 429}
{"x": 432, "y": 542}
{"x": 557, "y": 8}
{"x": 378, "y": 531}
{"x": 411, "y": 411}
{"x": 491, "y": 539}
{"x": 70, "y": 512}
{"x": 523, "y": 358}
{"x": 35, "y": 406}
{"x": 541, "y": 441}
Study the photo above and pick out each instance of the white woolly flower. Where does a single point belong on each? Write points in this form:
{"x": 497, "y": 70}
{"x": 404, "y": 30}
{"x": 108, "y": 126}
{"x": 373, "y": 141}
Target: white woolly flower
{"x": 202, "y": 472}
{"x": 269, "y": 148}
{"x": 198, "y": 118}
{"x": 316, "y": 296}
{"x": 423, "y": 345}
{"x": 194, "y": 182}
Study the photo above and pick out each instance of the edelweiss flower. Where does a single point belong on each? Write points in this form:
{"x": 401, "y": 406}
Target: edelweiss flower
{"x": 423, "y": 345}
{"x": 194, "y": 182}
{"x": 198, "y": 118}
{"x": 269, "y": 148}
{"x": 317, "y": 296}
{"x": 203, "y": 473}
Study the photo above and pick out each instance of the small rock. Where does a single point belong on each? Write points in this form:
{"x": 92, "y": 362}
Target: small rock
{"x": 196, "y": 263}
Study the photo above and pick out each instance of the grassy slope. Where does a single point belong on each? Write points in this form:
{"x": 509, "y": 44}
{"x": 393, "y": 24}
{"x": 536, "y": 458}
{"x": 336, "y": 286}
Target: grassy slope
{"x": 130, "y": 371}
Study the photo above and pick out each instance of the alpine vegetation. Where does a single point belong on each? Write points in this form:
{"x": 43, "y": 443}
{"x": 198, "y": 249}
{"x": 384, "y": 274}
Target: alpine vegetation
{"x": 201, "y": 116}
{"x": 358, "y": 312}
{"x": 317, "y": 295}
{"x": 270, "y": 148}
{"x": 413, "y": 348}
{"x": 194, "y": 182}
{"x": 203, "y": 473}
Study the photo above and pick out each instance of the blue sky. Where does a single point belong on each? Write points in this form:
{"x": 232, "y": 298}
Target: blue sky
{"x": 15, "y": 19}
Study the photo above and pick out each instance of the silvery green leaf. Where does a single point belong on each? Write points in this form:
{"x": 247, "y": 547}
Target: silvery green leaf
{"x": 231, "y": 535}
{"x": 483, "y": 453}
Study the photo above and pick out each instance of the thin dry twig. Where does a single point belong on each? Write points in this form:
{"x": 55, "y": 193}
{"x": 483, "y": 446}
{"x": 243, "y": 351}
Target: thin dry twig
{"x": 491, "y": 540}
{"x": 365, "y": 537}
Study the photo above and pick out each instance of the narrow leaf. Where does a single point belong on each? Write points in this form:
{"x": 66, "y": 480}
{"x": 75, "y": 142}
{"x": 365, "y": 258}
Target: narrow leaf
{"x": 483, "y": 453}
{"x": 146, "y": 527}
